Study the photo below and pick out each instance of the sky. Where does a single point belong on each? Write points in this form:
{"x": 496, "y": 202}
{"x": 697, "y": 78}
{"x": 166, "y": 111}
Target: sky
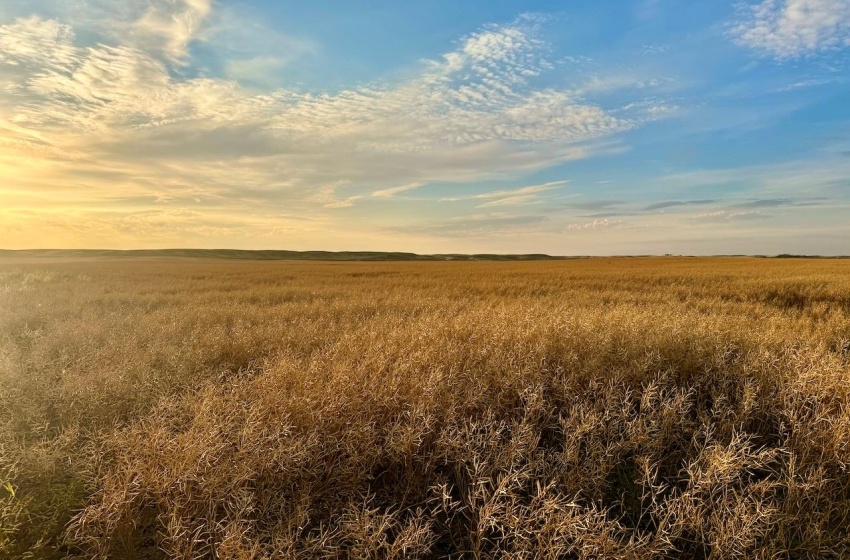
{"x": 570, "y": 128}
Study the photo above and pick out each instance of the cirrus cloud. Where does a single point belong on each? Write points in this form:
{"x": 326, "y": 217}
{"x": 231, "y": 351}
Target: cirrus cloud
{"x": 119, "y": 125}
{"x": 469, "y": 115}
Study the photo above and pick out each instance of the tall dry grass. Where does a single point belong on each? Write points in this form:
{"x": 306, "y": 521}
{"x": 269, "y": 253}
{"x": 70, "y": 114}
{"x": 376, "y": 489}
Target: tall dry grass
{"x": 616, "y": 408}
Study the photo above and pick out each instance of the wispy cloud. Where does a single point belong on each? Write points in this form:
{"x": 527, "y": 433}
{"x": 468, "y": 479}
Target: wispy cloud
{"x": 812, "y": 82}
{"x": 730, "y": 215}
{"x": 252, "y": 52}
{"x": 599, "y": 223}
{"x": 794, "y": 28}
{"x": 511, "y": 201}
{"x": 477, "y": 225}
{"x": 595, "y": 204}
{"x": 472, "y": 114}
{"x": 510, "y": 197}
{"x": 328, "y": 198}
{"x": 168, "y": 26}
{"x": 674, "y": 203}
{"x": 616, "y": 82}
{"x": 392, "y": 191}
{"x": 769, "y": 203}
{"x": 812, "y": 177}
{"x": 46, "y": 44}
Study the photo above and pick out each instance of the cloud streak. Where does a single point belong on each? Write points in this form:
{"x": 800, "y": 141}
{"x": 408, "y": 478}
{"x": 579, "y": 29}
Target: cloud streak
{"x": 510, "y": 197}
{"x": 721, "y": 216}
{"x": 675, "y": 203}
{"x": 393, "y": 191}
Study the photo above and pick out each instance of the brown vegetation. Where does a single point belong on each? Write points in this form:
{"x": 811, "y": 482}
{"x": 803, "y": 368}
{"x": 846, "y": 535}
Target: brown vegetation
{"x": 604, "y": 408}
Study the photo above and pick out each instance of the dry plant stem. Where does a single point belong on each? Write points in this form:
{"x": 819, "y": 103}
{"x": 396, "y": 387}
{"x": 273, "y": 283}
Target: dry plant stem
{"x": 604, "y": 408}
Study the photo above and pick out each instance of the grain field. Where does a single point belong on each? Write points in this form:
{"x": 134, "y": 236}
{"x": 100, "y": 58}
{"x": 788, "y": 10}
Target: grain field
{"x": 634, "y": 408}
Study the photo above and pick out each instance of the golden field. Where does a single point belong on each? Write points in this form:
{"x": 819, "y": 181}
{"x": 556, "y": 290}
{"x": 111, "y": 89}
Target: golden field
{"x": 598, "y": 408}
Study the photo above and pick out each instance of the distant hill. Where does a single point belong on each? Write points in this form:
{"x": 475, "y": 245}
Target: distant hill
{"x": 280, "y": 255}
{"x": 237, "y": 254}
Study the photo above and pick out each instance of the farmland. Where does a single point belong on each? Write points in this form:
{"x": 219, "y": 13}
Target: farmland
{"x": 595, "y": 408}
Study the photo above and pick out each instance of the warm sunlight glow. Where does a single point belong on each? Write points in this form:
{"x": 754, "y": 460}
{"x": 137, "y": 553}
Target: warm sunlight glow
{"x": 718, "y": 128}
{"x": 520, "y": 279}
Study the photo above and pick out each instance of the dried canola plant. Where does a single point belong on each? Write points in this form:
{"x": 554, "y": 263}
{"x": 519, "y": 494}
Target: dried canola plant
{"x": 597, "y": 408}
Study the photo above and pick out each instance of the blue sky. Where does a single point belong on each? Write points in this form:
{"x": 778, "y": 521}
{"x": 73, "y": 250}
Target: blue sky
{"x": 622, "y": 127}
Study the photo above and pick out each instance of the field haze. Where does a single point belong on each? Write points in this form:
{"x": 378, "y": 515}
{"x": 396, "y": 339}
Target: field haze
{"x": 595, "y": 408}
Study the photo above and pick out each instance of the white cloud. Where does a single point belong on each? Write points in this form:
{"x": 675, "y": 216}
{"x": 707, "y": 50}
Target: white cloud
{"x": 530, "y": 194}
{"x": 510, "y": 197}
{"x": 343, "y": 203}
{"x": 33, "y": 39}
{"x": 729, "y": 215}
{"x": 794, "y": 28}
{"x": 599, "y": 223}
{"x": 392, "y": 191}
{"x": 168, "y": 26}
{"x": 511, "y": 201}
{"x": 469, "y": 116}
{"x": 520, "y": 191}
{"x": 116, "y": 125}
{"x": 615, "y": 82}
{"x": 326, "y": 195}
